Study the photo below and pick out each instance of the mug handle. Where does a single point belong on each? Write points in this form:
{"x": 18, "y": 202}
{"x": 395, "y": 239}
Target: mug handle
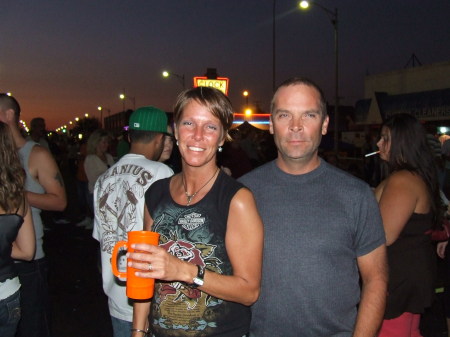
{"x": 115, "y": 270}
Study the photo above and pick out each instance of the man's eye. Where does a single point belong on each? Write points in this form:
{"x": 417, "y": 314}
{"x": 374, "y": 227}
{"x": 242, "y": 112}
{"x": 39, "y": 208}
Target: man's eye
{"x": 310, "y": 115}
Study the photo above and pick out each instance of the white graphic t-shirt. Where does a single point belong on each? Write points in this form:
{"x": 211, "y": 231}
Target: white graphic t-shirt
{"x": 119, "y": 208}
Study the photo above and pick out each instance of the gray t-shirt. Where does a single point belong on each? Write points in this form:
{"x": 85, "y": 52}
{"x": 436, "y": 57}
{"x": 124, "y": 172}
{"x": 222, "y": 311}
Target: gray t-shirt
{"x": 315, "y": 226}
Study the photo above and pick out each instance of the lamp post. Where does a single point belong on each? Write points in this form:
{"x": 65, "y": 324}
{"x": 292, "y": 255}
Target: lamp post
{"x": 100, "y": 108}
{"x": 180, "y": 77}
{"x": 123, "y": 97}
{"x": 101, "y": 115}
{"x": 245, "y": 93}
{"x": 333, "y": 15}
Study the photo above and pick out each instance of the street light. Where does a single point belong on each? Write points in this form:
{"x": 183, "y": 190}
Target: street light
{"x": 100, "y": 108}
{"x": 180, "y": 77}
{"x": 246, "y": 94}
{"x": 333, "y": 15}
{"x": 123, "y": 97}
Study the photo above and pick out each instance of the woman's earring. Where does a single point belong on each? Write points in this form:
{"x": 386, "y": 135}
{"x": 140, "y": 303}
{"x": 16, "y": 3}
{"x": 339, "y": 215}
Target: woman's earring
{"x": 220, "y": 149}
{"x": 177, "y": 142}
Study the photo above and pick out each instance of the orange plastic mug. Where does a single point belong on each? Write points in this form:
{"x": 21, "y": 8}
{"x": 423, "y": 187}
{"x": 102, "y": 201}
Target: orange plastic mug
{"x": 138, "y": 288}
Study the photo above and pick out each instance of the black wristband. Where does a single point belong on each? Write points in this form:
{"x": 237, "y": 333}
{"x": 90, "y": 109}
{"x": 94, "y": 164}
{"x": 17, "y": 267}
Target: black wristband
{"x": 198, "y": 280}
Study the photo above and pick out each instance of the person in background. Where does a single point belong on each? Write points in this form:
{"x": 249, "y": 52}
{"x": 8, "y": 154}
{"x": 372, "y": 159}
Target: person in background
{"x": 436, "y": 148}
{"x": 38, "y": 132}
{"x": 322, "y": 231}
{"x": 410, "y": 206}
{"x": 45, "y": 190}
{"x": 97, "y": 161}
{"x": 248, "y": 142}
{"x": 443, "y": 247}
{"x": 443, "y": 252}
{"x": 445, "y": 141}
{"x": 168, "y": 146}
{"x": 83, "y": 197}
{"x": 331, "y": 158}
{"x": 16, "y": 231}
{"x": 123, "y": 145}
{"x": 233, "y": 157}
{"x": 119, "y": 203}
{"x": 209, "y": 259}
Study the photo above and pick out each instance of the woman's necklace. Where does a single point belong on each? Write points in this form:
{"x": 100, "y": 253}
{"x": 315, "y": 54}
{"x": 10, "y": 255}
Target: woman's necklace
{"x": 189, "y": 197}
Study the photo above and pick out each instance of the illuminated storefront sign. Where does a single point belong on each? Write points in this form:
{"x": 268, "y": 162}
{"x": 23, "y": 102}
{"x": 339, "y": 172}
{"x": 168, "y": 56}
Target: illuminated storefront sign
{"x": 220, "y": 83}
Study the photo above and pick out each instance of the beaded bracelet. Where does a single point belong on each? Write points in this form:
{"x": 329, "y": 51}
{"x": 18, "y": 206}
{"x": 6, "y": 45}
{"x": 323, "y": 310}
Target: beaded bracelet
{"x": 139, "y": 330}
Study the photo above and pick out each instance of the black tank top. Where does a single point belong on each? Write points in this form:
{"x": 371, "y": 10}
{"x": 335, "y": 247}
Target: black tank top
{"x": 9, "y": 228}
{"x": 412, "y": 268}
{"x": 196, "y": 234}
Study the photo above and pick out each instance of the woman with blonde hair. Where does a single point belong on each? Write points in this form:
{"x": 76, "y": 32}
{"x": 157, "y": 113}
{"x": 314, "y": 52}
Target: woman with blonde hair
{"x": 17, "y": 239}
{"x": 208, "y": 263}
{"x": 97, "y": 161}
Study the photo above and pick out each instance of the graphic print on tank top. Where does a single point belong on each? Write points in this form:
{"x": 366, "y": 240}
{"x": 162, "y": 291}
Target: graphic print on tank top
{"x": 188, "y": 233}
{"x": 120, "y": 192}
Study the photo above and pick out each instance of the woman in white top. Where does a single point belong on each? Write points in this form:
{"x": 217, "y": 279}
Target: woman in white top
{"x": 97, "y": 161}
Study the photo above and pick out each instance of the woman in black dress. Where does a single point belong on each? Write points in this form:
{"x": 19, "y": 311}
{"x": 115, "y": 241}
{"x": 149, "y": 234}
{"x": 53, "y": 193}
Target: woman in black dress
{"x": 409, "y": 202}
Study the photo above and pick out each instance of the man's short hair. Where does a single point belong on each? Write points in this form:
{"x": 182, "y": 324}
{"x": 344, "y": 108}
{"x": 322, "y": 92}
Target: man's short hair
{"x": 8, "y": 102}
{"x": 302, "y": 81}
{"x": 141, "y": 136}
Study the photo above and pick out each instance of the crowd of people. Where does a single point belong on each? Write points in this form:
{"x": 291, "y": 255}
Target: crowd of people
{"x": 43, "y": 189}
{"x": 259, "y": 236}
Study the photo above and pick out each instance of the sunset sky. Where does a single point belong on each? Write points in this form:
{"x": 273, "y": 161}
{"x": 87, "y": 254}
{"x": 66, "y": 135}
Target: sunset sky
{"x": 63, "y": 58}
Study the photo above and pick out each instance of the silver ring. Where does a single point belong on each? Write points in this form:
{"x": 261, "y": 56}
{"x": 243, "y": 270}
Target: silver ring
{"x": 150, "y": 267}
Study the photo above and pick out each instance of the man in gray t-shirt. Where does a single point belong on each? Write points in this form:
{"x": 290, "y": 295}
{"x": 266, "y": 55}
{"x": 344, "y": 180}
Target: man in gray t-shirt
{"x": 322, "y": 231}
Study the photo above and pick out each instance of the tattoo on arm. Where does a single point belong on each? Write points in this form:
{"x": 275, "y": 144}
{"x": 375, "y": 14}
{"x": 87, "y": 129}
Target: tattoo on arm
{"x": 59, "y": 179}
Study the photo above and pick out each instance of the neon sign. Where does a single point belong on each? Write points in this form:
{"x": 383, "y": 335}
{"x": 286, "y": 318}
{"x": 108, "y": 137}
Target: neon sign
{"x": 220, "y": 83}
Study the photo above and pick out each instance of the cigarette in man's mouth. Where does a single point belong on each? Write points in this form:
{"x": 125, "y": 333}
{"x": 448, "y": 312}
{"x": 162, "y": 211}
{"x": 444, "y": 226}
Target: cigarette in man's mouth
{"x": 372, "y": 153}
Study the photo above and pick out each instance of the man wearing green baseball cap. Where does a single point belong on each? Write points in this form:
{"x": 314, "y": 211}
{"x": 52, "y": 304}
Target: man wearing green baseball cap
{"x": 119, "y": 203}
{"x": 148, "y": 118}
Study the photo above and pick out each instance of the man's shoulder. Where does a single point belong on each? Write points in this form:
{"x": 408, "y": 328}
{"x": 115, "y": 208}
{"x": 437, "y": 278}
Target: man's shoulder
{"x": 147, "y": 164}
{"x": 341, "y": 175}
{"x": 131, "y": 166}
{"x": 38, "y": 148}
{"x": 256, "y": 174}
{"x": 39, "y": 154}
